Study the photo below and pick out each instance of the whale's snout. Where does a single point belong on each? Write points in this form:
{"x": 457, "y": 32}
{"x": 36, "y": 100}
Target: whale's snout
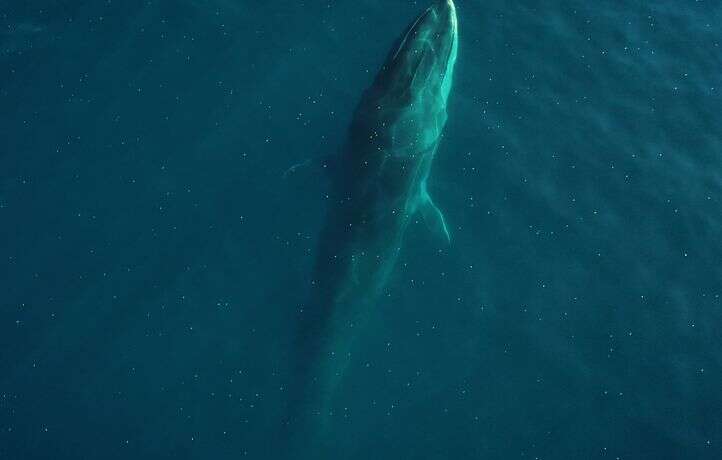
{"x": 427, "y": 51}
{"x": 408, "y": 97}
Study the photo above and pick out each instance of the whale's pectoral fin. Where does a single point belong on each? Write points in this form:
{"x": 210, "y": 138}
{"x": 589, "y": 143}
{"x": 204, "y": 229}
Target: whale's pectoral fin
{"x": 433, "y": 217}
{"x": 296, "y": 167}
{"x": 322, "y": 163}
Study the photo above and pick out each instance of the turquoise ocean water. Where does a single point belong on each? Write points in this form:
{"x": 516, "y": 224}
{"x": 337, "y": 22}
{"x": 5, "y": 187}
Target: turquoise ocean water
{"x": 152, "y": 255}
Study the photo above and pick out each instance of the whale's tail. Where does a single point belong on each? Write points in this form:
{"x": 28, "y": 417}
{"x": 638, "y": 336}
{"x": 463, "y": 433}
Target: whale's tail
{"x": 320, "y": 356}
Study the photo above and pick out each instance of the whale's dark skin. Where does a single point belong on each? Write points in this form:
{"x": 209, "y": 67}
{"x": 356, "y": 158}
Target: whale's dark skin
{"x": 378, "y": 186}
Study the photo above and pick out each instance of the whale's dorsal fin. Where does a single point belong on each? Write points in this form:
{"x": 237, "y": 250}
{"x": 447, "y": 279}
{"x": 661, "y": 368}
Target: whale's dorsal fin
{"x": 433, "y": 217}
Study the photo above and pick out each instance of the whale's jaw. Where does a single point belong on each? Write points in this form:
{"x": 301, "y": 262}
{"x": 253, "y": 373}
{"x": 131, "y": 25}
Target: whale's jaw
{"x": 404, "y": 110}
{"x": 423, "y": 62}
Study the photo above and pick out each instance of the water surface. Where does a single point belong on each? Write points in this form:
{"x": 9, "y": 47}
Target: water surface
{"x": 152, "y": 255}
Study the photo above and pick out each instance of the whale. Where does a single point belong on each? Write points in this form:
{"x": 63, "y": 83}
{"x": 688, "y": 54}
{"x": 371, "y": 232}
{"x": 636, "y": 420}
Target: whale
{"x": 378, "y": 186}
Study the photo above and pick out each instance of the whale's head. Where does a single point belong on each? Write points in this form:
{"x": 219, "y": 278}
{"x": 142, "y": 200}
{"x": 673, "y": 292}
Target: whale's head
{"x": 422, "y": 62}
{"x": 406, "y": 105}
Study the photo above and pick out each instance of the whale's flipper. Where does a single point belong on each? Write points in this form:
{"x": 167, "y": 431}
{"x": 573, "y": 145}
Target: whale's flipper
{"x": 326, "y": 162}
{"x": 294, "y": 168}
{"x": 433, "y": 217}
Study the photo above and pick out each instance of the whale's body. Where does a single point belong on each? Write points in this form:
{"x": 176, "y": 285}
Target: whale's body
{"x": 378, "y": 186}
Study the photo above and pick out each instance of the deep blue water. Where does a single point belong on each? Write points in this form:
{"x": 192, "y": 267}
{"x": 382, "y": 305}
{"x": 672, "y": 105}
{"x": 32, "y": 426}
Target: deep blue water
{"x": 152, "y": 255}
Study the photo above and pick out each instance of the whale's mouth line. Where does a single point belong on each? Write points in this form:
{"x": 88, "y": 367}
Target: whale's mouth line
{"x": 411, "y": 29}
